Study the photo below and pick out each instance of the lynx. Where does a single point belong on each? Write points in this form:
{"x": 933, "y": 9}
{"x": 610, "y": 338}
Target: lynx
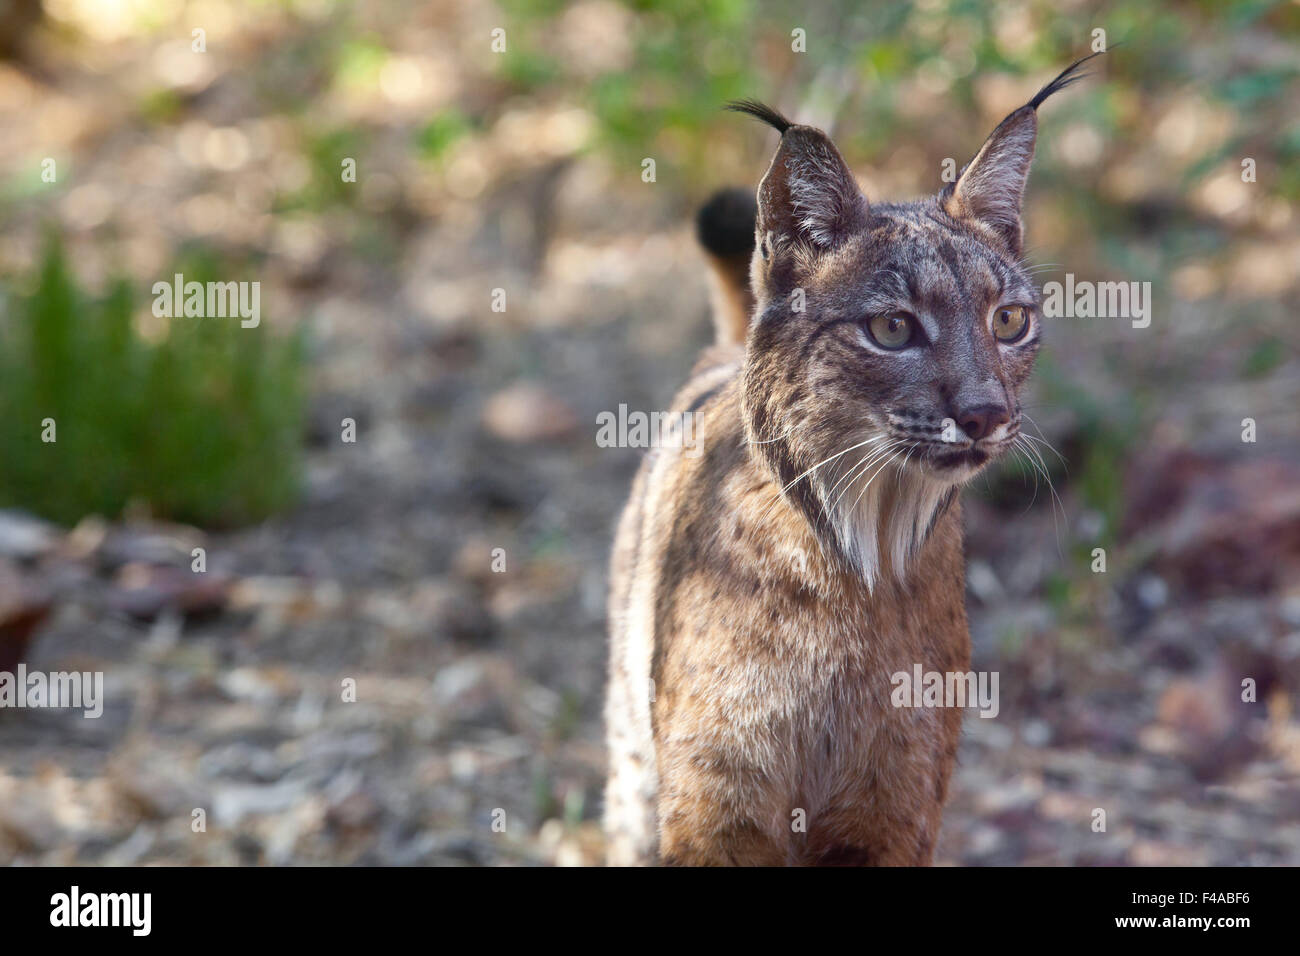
{"x": 869, "y": 362}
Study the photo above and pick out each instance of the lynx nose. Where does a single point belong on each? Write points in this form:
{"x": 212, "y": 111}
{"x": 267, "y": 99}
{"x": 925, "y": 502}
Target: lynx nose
{"x": 979, "y": 421}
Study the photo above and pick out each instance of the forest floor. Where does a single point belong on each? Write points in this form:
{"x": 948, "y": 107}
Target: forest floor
{"x": 478, "y": 694}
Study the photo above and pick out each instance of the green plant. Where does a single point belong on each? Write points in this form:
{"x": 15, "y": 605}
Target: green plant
{"x": 203, "y": 425}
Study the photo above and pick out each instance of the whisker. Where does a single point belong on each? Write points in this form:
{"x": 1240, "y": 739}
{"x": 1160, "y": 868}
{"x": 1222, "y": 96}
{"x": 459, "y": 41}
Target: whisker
{"x": 1046, "y": 444}
{"x": 873, "y": 452}
{"x": 777, "y": 497}
{"x": 903, "y": 467}
{"x": 867, "y": 462}
{"x": 873, "y": 438}
{"x": 768, "y": 441}
{"x": 1026, "y": 466}
{"x": 800, "y": 478}
{"x": 1041, "y": 467}
{"x": 873, "y": 478}
{"x": 1043, "y": 439}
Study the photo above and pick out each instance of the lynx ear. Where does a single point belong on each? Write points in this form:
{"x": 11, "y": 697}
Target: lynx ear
{"x": 990, "y": 189}
{"x": 808, "y": 194}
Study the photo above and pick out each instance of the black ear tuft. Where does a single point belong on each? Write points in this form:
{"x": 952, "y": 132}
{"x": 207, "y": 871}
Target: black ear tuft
{"x": 762, "y": 112}
{"x": 989, "y": 190}
{"x": 1069, "y": 75}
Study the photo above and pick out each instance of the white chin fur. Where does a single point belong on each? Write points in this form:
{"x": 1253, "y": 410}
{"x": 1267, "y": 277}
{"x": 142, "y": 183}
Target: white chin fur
{"x": 957, "y": 475}
{"x": 888, "y": 520}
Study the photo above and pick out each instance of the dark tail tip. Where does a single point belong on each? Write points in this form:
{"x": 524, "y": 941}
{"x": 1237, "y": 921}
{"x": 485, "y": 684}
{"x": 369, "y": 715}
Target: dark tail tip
{"x": 725, "y": 224}
{"x": 762, "y": 112}
{"x": 1069, "y": 75}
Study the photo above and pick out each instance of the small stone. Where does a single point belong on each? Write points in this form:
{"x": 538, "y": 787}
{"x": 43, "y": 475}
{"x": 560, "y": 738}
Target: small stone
{"x": 149, "y": 543}
{"x": 526, "y": 412}
{"x": 86, "y": 538}
{"x": 233, "y": 802}
{"x": 983, "y": 581}
{"x": 1152, "y": 592}
{"x": 27, "y": 825}
{"x": 1036, "y": 733}
{"x": 144, "y": 591}
{"x": 24, "y": 537}
{"x": 357, "y": 811}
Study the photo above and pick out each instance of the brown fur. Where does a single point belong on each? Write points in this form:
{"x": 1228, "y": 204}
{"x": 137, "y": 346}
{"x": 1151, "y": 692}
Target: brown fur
{"x": 771, "y": 681}
{"x": 732, "y": 301}
{"x": 757, "y": 615}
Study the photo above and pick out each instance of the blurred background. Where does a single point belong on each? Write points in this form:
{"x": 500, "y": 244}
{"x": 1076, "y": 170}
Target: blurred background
{"x": 212, "y": 138}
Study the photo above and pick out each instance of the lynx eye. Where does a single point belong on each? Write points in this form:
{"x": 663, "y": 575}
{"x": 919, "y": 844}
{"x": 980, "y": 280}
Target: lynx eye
{"x": 1010, "y": 322}
{"x": 892, "y": 331}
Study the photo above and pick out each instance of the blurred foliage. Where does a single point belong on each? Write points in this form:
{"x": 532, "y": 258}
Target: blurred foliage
{"x": 1266, "y": 356}
{"x": 439, "y": 134}
{"x": 202, "y": 425}
{"x": 688, "y": 58}
{"x": 325, "y": 186}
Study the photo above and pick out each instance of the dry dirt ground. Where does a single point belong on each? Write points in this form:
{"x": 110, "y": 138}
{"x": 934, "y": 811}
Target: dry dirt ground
{"x": 475, "y": 736}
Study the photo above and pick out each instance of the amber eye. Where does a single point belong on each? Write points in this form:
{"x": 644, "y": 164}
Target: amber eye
{"x": 1010, "y": 322}
{"x": 892, "y": 331}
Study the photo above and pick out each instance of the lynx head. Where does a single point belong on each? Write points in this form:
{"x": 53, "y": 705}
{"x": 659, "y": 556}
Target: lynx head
{"x": 890, "y": 341}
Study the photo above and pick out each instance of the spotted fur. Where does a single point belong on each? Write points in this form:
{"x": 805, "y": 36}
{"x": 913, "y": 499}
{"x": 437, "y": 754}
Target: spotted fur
{"x": 764, "y": 591}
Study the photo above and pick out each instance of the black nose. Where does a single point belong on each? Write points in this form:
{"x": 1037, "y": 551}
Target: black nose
{"x": 977, "y": 422}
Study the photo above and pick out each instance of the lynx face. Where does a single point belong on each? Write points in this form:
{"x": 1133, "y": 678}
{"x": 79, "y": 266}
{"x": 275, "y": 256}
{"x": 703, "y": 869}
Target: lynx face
{"x": 916, "y": 336}
{"x": 890, "y": 341}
